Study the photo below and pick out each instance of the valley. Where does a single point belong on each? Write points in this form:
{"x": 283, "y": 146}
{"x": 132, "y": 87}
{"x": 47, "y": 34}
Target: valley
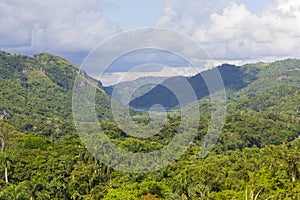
{"x": 42, "y": 155}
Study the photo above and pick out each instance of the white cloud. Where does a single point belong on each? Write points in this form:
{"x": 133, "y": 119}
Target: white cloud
{"x": 232, "y": 31}
{"x": 227, "y": 30}
{"x": 56, "y": 26}
{"x": 165, "y": 71}
{"x": 185, "y": 16}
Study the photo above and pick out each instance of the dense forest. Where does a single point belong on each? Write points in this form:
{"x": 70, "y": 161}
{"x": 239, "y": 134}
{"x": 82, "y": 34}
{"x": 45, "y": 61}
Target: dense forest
{"x": 256, "y": 157}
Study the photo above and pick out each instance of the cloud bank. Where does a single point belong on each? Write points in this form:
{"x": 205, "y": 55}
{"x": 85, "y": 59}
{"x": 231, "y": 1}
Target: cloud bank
{"x": 53, "y": 26}
{"x": 231, "y": 31}
{"x": 228, "y": 30}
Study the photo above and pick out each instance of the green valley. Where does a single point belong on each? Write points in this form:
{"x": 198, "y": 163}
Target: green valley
{"x": 42, "y": 157}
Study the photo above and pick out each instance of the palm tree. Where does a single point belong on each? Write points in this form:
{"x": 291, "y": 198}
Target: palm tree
{"x": 252, "y": 197}
{"x": 36, "y": 190}
{"x": 5, "y": 132}
{"x": 14, "y": 192}
{"x": 6, "y": 163}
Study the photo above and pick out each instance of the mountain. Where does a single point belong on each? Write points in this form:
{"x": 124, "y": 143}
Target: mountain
{"x": 249, "y": 79}
{"x": 234, "y": 78}
{"x": 41, "y": 156}
{"x": 132, "y": 88}
{"x": 36, "y": 93}
{"x": 272, "y": 75}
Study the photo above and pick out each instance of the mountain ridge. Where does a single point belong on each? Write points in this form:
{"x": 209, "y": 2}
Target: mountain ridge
{"x": 161, "y": 95}
{"x": 238, "y": 81}
{"x": 37, "y": 91}
{"x": 258, "y": 150}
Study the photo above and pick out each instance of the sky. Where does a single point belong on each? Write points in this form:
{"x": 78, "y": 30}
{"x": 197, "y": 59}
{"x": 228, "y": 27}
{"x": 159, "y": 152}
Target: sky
{"x": 232, "y": 31}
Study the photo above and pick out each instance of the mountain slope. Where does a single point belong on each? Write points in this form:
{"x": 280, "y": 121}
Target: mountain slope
{"x": 125, "y": 89}
{"x": 256, "y": 154}
{"x": 234, "y": 79}
{"x": 36, "y": 93}
{"x": 247, "y": 80}
{"x": 272, "y": 75}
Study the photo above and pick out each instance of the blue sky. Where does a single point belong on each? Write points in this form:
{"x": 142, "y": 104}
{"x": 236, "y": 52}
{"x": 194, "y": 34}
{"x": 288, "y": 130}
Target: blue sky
{"x": 126, "y": 14}
{"x": 232, "y": 31}
{"x": 256, "y": 6}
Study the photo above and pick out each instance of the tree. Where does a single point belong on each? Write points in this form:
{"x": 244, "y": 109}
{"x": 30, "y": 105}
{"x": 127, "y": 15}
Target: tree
{"x": 6, "y": 163}
{"x": 5, "y": 131}
{"x": 288, "y": 156}
{"x": 14, "y": 192}
{"x": 36, "y": 190}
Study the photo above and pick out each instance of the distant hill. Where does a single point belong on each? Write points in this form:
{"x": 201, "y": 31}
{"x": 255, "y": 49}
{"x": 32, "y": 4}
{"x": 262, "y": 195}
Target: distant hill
{"x": 235, "y": 78}
{"x": 128, "y": 88}
{"x": 239, "y": 81}
{"x": 272, "y": 75}
{"x": 36, "y": 92}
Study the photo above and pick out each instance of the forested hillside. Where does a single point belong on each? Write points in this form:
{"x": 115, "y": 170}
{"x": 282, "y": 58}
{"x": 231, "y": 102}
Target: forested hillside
{"x": 36, "y": 93}
{"x": 248, "y": 79}
{"x": 234, "y": 78}
{"x": 256, "y": 157}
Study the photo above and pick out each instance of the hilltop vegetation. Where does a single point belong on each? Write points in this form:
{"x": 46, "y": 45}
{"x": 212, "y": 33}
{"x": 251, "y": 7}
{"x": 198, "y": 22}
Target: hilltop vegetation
{"x": 256, "y": 157}
{"x": 249, "y": 79}
{"x": 36, "y": 93}
{"x": 234, "y": 78}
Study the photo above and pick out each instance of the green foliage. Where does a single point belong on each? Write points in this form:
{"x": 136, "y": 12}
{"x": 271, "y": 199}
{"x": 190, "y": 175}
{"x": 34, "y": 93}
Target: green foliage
{"x": 163, "y": 96}
{"x": 135, "y": 190}
{"x": 36, "y": 94}
{"x": 14, "y": 192}
{"x": 42, "y": 157}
